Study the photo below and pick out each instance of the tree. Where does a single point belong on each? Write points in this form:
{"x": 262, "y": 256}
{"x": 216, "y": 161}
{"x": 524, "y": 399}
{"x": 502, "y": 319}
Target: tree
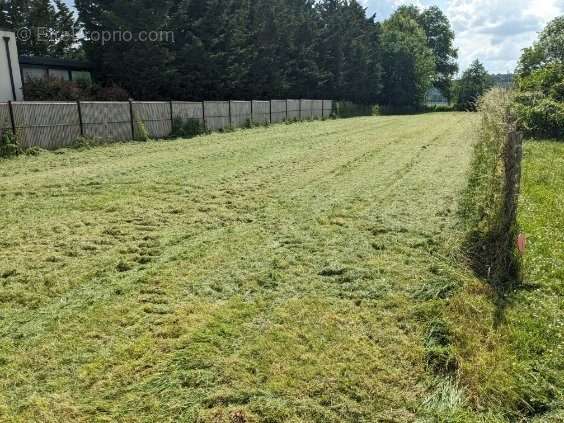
{"x": 440, "y": 38}
{"x": 408, "y": 62}
{"x": 474, "y": 83}
{"x": 51, "y": 25}
{"x": 114, "y": 44}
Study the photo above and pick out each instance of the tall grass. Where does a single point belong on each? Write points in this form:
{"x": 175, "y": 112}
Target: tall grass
{"x": 486, "y": 210}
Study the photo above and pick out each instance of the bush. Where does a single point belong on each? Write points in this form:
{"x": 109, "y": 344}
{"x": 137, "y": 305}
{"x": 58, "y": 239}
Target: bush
{"x": 543, "y": 117}
{"x": 187, "y": 128}
{"x": 8, "y": 145}
{"x": 59, "y": 90}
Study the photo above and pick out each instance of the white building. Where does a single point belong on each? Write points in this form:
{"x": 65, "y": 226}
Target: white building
{"x": 10, "y": 75}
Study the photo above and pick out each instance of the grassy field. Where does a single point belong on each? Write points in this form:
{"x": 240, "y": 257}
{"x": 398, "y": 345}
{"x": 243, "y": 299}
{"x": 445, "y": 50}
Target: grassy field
{"x": 290, "y": 273}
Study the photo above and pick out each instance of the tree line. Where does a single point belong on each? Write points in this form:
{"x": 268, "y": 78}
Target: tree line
{"x": 251, "y": 48}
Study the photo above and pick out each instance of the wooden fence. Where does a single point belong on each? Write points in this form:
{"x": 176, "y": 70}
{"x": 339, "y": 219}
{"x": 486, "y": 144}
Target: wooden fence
{"x": 52, "y": 125}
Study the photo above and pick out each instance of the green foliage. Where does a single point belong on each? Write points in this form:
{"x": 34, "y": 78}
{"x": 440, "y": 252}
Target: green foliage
{"x": 187, "y": 128}
{"x": 474, "y": 82}
{"x": 54, "y": 89}
{"x": 8, "y": 144}
{"x": 408, "y": 63}
{"x": 51, "y": 19}
{"x": 540, "y": 103}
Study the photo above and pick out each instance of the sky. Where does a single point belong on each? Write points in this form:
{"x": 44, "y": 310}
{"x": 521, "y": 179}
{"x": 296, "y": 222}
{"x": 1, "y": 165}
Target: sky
{"x": 493, "y": 31}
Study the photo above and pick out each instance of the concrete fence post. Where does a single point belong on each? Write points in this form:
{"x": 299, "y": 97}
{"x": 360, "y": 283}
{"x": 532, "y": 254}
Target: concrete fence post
{"x": 171, "y": 116}
{"x": 230, "y": 116}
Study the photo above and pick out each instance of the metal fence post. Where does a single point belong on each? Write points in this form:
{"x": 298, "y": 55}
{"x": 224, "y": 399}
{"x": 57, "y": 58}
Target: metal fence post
{"x": 286, "y": 110}
{"x": 270, "y": 104}
{"x": 12, "y": 119}
{"x": 300, "y": 108}
{"x": 132, "y": 119}
{"x": 252, "y": 117}
{"x": 230, "y": 119}
{"x": 79, "y": 108}
{"x": 322, "y": 109}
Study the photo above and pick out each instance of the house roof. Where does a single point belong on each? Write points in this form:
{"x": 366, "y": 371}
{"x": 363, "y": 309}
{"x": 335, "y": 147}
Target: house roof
{"x": 54, "y": 62}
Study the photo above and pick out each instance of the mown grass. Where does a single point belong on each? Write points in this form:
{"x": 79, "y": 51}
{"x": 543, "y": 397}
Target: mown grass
{"x": 294, "y": 273}
{"x": 510, "y": 353}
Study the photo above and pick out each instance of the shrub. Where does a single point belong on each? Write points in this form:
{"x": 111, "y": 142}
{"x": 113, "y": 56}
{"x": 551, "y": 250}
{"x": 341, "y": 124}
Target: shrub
{"x": 8, "y": 145}
{"x": 52, "y": 89}
{"x": 187, "y": 128}
{"x": 543, "y": 117}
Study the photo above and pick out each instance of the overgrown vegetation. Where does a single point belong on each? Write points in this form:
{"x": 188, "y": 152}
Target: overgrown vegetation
{"x": 187, "y": 128}
{"x": 489, "y": 218}
{"x": 510, "y": 353}
{"x": 8, "y": 144}
{"x": 540, "y": 80}
{"x": 54, "y": 89}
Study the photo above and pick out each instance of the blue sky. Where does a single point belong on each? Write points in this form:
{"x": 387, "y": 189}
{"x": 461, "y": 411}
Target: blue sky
{"x": 493, "y": 31}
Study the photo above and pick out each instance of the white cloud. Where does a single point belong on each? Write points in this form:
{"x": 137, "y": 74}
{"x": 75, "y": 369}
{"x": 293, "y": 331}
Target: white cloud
{"x": 493, "y": 31}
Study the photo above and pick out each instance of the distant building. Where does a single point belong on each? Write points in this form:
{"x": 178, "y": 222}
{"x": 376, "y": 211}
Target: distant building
{"x": 33, "y": 67}
{"x": 435, "y": 98}
{"x": 15, "y": 70}
{"x": 502, "y": 80}
{"x": 10, "y": 76}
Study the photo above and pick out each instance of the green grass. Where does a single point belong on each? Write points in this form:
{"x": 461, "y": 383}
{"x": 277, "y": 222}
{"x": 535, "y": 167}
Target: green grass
{"x": 288, "y": 274}
{"x": 510, "y": 350}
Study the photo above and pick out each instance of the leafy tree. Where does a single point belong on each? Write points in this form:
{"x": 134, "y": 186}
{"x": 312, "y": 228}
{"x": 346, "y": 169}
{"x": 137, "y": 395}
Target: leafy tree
{"x": 474, "y": 83}
{"x": 408, "y": 62}
{"x": 540, "y": 79}
{"x": 440, "y": 38}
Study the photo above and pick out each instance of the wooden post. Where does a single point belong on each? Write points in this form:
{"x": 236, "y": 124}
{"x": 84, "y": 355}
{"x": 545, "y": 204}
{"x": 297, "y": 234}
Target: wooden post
{"x": 132, "y": 119}
{"x": 79, "y": 108}
{"x": 12, "y": 119}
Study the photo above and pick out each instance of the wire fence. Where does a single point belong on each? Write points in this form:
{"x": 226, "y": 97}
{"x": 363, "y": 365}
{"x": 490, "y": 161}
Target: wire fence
{"x": 52, "y": 125}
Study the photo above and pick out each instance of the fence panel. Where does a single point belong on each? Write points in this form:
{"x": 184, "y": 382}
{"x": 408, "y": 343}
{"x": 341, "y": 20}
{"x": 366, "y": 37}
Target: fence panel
{"x": 306, "y": 109}
{"x": 261, "y": 111}
{"x": 188, "y": 110}
{"x": 155, "y": 116}
{"x": 293, "y": 109}
{"x": 216, "y": 115}
{"x": 240, "y": 113}
{"x": 106, "y": 120}
{"x": 5, "y": 122}
{"x": 317, "y": 109}
{"x": 278, "y": 111}
{"x": 327, "y": 108}
{"x": 46, "y": 125}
